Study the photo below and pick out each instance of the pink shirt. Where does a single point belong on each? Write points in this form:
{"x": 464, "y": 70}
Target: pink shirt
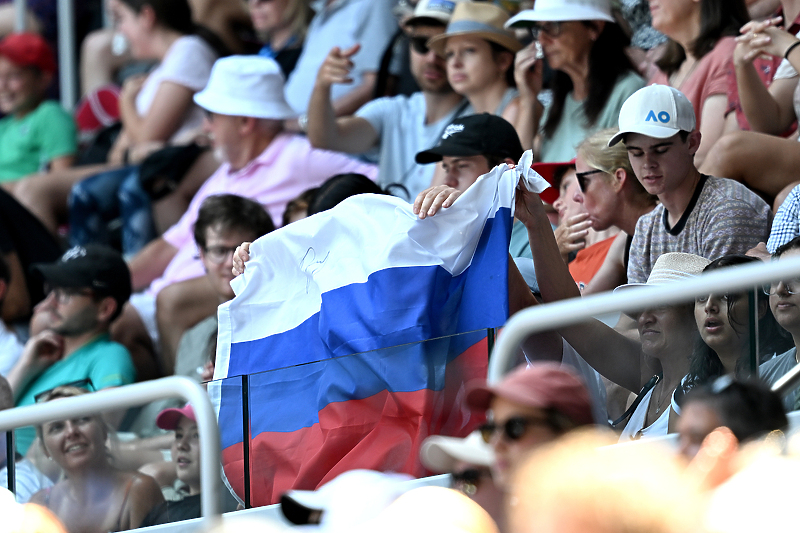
{"x": 288, "y": 167}
{"x": 709, "y": 77}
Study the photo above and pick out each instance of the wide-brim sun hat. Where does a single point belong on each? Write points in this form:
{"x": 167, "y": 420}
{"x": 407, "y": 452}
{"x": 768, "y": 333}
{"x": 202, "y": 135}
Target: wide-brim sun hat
{"x": 477, "y": 19}
{"x": 562, "y": 11}
{"x": 246, "y": 86}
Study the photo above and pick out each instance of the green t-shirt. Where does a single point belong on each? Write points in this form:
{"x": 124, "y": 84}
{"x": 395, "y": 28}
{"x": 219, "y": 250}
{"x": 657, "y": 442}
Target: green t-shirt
{"x": 27, "y": 145}
{"x": 106, "y": 363}
{"x": 572, "y": 129}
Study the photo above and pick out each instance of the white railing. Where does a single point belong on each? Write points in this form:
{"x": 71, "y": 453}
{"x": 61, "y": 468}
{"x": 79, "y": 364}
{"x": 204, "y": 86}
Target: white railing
{"x": 137, "y": 394}
{"x": 558, "y": 314}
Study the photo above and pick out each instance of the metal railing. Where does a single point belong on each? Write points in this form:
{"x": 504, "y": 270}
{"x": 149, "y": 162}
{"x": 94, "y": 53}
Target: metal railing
{"x": 568, "y": 312}
{"x": 137, "y": 394}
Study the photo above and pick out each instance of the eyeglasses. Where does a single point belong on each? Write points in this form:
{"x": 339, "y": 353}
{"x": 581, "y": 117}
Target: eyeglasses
{"x": 218, "y": 254}
{"x": 791, "y": 286}
{"x": 551, "y": 29}
{"x": 581, "y": 176}
{"x": 63, "y": 295}
{"x": 85, "y": 383}
{"x": 420, "y": 45}
{"x": 468, "y": 481}
{"x": 513, "y": 429}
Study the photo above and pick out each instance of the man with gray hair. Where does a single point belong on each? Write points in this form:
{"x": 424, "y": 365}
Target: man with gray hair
{"x": 245, "y": 110}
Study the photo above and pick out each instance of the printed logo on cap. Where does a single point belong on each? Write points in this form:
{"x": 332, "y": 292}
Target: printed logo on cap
{"x": 445, "y": 6}
{"x": 662, "y": 117}
{"x": 452, "y": 129}
{"x": 73, "y": 253}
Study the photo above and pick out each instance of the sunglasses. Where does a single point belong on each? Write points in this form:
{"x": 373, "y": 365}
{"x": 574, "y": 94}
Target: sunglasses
{"x": 551, "y": 29}
{"x": 85, "y": 383}
{"x": 513, "y": 429}
{"x": 420, "y": 45}
{"x": 468, "y": 481}
{"x": 582, "y": 177}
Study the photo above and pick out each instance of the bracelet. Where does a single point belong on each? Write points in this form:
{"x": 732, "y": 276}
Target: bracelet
{"x": 789, "y": 50}
{"x": 302, "y": 120}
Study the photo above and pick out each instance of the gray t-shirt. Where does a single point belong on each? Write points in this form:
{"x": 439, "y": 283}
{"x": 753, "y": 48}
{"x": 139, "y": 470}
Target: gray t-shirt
{"x": 775, "y": 368}
{"x": 723, "y": 217}
{"x": 400, "y": 123}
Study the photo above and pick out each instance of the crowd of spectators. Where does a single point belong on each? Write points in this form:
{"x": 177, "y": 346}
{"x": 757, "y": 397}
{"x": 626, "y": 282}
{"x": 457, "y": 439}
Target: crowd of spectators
{"x": 667, "y": 130}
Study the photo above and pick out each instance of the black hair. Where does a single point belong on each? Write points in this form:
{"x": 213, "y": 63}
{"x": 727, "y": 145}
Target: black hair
{"x": 794, "y": 244}
{"x": 718, "y": 19}
{"x": 339, "y": 187}
{"x": 747, "y": 407}
{"x": 173, "y": 14}
{"x": 5, "y": 272}
{"x": 608, "y": 62}
{"x": 497, "y": 50}
{"x": 705, "y": 364}
{"x": 231, "y": 212}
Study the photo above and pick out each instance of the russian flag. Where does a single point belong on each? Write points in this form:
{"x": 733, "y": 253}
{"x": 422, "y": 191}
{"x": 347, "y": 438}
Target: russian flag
{"x": 357, "y": 329}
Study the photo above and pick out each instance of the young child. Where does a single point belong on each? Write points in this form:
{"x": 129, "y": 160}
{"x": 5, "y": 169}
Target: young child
{"x": 186, "y": 457}
{"x": 36, "y": 134}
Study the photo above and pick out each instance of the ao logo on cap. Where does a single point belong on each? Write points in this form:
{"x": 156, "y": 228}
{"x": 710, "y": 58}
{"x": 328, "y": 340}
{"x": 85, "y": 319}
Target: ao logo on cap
{"x": 662, "y": 116}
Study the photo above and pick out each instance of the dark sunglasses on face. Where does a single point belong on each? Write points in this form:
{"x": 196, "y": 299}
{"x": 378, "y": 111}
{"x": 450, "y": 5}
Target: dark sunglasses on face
{"x": 581, "y": 176}
{"x": 85, "y": 383}
{"x": 420, "y": 45}
{"x": 513, "y": 429}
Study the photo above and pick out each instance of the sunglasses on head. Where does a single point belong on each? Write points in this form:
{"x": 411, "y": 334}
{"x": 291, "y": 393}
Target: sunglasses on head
{"x": 513, "y": 429}
{"x": 85, "y": 383}
{"x": 420, "y": 45}
{"x": 581, "y": 176}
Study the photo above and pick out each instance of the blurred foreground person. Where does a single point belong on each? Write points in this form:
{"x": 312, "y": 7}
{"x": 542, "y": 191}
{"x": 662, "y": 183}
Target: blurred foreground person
{"x": 468, "y": 461}
{"x": 575, "y": 485}
{"x": 94, "y": 496}
{"x": 748, "y": 408}
{"x": 531, "y": 406}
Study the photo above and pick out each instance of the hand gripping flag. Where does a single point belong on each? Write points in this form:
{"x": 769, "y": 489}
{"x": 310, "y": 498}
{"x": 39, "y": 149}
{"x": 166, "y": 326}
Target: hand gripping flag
{"x": 357, "y": 329}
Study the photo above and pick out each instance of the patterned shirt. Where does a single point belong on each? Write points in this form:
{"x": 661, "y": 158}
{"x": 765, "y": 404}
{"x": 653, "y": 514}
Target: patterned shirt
{"x": 786, "y": 225}
{"x": 723, "y": 217}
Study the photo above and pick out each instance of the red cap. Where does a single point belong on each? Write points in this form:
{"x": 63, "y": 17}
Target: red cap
{"x": 542, "y": 385}
{"x": 28, "y": 50}
{"x": 169, "y": 418}
{"x": 547, "y": 171}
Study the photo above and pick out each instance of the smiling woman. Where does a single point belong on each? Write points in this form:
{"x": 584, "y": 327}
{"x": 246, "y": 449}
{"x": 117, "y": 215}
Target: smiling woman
{"x": 94, "y": 497}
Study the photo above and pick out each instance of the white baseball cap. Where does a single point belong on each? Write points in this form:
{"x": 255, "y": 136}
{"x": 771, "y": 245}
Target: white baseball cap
{"x": 246, "y": 86}
{"x": 658, "y": 111}
{"x": 438, "y": 10}
{"x": 439, "y": 453}
{"x": 563, "y": 10}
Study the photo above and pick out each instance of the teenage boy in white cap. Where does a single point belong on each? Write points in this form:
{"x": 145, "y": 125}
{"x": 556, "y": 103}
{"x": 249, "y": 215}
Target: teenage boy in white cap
{"x": 697, "y": 214}
{"x": 245, "y": 112}
{"x": 400, "y": 126}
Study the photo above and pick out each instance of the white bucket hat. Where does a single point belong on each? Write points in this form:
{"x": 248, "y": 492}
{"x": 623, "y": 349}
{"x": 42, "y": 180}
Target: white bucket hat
{"x": 563, "y": 10}
{"x": 439, "y": 453}
{"x": 658, "y": 111}
{"x": 247, "y": 86}
{"x": 438, "y": 10}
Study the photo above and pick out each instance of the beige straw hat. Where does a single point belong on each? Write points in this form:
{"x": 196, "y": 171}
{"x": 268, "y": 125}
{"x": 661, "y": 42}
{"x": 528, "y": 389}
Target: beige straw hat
{"x": 479, "y": 19}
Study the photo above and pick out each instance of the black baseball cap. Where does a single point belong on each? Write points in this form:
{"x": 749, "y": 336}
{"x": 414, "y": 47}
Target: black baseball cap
{"x": 95, "y": 267}
{"x": 484, "y": 134}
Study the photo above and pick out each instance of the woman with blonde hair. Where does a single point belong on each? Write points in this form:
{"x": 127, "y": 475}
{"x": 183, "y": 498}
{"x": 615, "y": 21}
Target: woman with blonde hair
{"x": 281, "y": 25}
{"x": 93, "y": 496}
{"x": 612, "y": 196}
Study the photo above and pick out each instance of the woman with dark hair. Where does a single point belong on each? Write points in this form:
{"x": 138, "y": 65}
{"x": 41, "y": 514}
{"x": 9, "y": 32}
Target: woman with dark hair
{"x": 699, "y": 57}
{"x": 593, "y": 75}
{"x": 340, "y": 187}
{"x": 722, "y": 320}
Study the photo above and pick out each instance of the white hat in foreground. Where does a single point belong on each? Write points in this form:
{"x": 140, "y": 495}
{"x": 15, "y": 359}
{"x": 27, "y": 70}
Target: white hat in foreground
{"x": 658, "y": 111}
{"x": 563, "y": 10}
{"x": 439, "y": 453}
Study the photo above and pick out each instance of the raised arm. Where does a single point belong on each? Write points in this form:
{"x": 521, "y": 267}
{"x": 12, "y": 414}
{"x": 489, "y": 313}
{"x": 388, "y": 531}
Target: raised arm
{"x": 164, "y": 117}
{"x": 612, "y": 354}
{"x": 528, "y": 75}
{"x": 345, "y": 134}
